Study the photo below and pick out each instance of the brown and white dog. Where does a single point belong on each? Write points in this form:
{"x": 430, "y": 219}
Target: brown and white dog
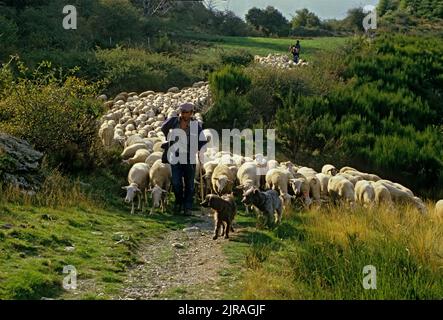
{"x": 224, "y": 212}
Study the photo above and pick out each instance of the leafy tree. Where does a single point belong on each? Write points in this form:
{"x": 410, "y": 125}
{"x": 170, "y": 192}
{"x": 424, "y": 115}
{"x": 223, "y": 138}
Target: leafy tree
{"x": 269, "y": 20}
{"x": 305, "y": 18}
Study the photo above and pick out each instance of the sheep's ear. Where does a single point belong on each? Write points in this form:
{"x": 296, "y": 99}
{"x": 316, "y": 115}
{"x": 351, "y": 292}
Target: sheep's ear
{"x": 164, "y": 191}
{"x": 137, "y": 190}
{"x": 125, "y": 188}
{"x": 240, "y": 187}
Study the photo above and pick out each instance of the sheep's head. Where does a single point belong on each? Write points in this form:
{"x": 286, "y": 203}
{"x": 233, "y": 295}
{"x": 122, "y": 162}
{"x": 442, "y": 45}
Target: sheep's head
{"x": 157, "y": 194}
{"x": 131, "y": 191}
{"x": 221, "y": 182}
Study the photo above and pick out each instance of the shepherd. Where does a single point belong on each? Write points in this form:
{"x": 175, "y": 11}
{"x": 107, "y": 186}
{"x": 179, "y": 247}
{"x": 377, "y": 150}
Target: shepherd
{"x": 181, "y": 152}
{"x": 295, "y": 50}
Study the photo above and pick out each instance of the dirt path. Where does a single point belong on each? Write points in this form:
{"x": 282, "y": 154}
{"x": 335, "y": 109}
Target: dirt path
{"x": 183, "y": 264}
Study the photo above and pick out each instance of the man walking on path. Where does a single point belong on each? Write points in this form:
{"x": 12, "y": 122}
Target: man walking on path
{"x": 179, "y": 156}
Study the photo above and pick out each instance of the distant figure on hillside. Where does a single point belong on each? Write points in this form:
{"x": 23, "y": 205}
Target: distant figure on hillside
{"x": 295, "y": 50}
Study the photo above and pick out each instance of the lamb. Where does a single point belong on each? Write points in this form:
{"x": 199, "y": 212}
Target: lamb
{"x": 329, "y": 170}
{"x": 341, "y": 188}
{"x": 138, "y": 181}
{"x": 139, "y": 157}
{"x": 160, "y": 179}
{"x": 222, "y": 179}
{"x": 365, "y": 193}
{"x": 439, "y": 208}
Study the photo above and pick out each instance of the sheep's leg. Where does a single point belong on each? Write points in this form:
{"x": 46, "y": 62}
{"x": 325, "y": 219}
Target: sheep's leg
{"x": 132, "y": 209}
{"x": 139, "y": 202}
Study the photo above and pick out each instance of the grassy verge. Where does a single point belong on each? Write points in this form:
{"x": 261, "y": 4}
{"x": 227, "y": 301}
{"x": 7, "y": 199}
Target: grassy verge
{"x": 100, "y": 239}
{"x": 321, "y": 255}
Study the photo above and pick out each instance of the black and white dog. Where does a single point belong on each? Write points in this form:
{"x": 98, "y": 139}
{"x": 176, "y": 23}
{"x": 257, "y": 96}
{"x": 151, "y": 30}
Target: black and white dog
{"x": 268, "y": 203}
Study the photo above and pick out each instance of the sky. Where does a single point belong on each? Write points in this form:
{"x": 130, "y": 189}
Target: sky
{"x": 325, "y": 9}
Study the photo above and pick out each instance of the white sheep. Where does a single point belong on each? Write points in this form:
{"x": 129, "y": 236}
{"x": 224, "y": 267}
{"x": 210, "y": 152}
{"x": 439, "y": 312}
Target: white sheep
{"x": 208, "y": 169}
{"x": 341, "y": 188}
{"x": 222, "y": 179}
{"x": 365, "y": 193}
{"x": 400, "y": 194}
{"x": 140, "y": 157}
{"x": 301, "y": 187}
{"x": 131, "y": 150}
{"x": 138, "y": 181}
{"x": 382, "y": 195}
{"x": 160, "y": 179}
{"x": 247, "y": 176}
{"x": 324, "y": 180}
{"x": 329, "y": 170}
{"x": 314, "y": 183}
{"x": 278, "y": 179}
{"x": 106, "y": 134}
{"x": 152, "y": 158}
{"x": 362, "y": 175}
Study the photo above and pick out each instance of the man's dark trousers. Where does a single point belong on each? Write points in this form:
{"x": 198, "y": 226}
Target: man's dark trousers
{"x": 183, "y": 173}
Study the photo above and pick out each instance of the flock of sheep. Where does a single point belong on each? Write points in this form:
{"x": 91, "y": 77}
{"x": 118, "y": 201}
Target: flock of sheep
{"x": 225, "y": 172}
{"x": 134, "y": 123}
{"x": 279, "y": 61}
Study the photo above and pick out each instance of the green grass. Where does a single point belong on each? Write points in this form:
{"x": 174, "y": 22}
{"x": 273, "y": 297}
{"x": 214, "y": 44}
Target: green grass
{"x": 321, "y": 255}
{"x": 33, "y": 242}
{"x": 264, "y": 46}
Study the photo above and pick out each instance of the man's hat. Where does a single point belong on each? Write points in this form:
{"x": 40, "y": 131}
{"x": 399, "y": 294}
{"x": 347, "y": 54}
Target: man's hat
{"x": 186, "y": 107}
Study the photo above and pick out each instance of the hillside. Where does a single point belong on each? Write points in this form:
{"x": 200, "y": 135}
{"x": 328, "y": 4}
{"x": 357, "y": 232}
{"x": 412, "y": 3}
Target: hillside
{"x": 373, "y": 103}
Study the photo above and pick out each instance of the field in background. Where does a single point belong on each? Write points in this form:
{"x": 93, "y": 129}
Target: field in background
{"x": 264, "y": 46}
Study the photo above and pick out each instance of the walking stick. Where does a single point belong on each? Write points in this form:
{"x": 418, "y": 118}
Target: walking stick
{"x": 200, "y": 169}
